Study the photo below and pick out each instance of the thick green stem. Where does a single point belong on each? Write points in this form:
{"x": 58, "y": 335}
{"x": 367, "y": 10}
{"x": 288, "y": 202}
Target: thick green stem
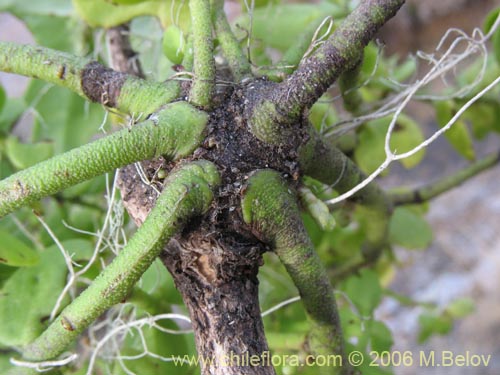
{"x": 173, "y": 133}
{"x": 348, "y": 84}
{"x": 430, "y": 191}
{"x": 271, "y": 209}
{"x": 329, "y": 165}
{"x": 203, "y": 85}
{"x": 318, "y": 72}
{"x": 90, "y": 80}
{"x": 238, "y": 62}
{"x": 187, "y": 193}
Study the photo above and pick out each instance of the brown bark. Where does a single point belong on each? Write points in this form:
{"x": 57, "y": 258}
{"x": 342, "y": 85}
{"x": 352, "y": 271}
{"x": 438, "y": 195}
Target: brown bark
{"x": 218, "y": 281}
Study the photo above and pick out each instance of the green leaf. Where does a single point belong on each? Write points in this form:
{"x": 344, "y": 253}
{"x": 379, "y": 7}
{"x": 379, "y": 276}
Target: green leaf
{"x": 62, "y": 117}
{"x": 406, "y": 136}
{"x": 370, "y": 153}
{"x": 13, "y": 109}
{"x": 484, "y": 118}
{"x": 101, "y": 13}
{"x": 488, "y": 24}
{"x": 409, "y": 229}
{"x": 27, "y": 298}
{"x": 380, "y": 336}
{"x": 405, "y": 70}
{"x": 3, "y": 98}
{"x": 460, "y": 308}
{"x": 432, "y": 324}
{"x": 61, "y": 33}
{"x": 45, "y": 7}
{"x": 24, "y": 155}
{"x": 364, "y": 291}
{"x": 5, "y": 273}
{"x": 352, "y": 327}
{"x": 272, "y": 25}
{"x": 14, "y": 252}
{"x": 458, "y": 135}
{"x": 174, "y": 44}
{"x": 322, "y": 115}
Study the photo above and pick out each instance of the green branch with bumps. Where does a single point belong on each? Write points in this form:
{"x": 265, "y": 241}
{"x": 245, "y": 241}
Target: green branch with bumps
{"x": 316, "y": 73}
{"x": 90, "y": 80}
{"x": 271, "y": 209}
{"x": 188, "y": 192}
{"x": 231, "y": 49}
{"x": 423, "y": 194}
{"x": 174, "y": 132}
{"x": 203, "y": 85}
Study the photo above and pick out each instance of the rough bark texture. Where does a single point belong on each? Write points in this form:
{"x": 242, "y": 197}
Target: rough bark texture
{"x": 125, "y": 59}
{"x": 101, "y": 84}
{"x": 218, "y": 281}
{"x": 340, "y": 53}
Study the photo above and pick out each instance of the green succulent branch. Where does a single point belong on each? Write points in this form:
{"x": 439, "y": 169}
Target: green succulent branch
{"x": 271, "y": 209}
{"x": 231, "y": 49}
{"x": 90, "y": 80}
{"x": 173, "y": 133}
{"x": 49, "y": 65}
{"x": 188, "y": 192}
{"x": 428, "y": 192}
{"x": 319, "y": 71}
{"x": 324, "y": 162}
{"x": 348, "y": 84}
{"x": 203, "y": 85}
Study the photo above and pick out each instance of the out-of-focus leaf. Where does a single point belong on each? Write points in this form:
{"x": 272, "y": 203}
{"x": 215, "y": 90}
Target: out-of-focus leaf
{"x": 14, "y": 252}
{"x": 460, "y": 308}
{"x": 63, "y": 117}
{"x": 458, "y": 135}
{"x": 28, "y": 297}
{"x": 102, "y": 13}
{"x": 5, "y": 273}
{"x": 403, "y": 71}
{"x": 484, "y": 118}
{"x": 126, "y": 2}
{"x": 174, "y": 44}
{"x": 409, "y": 229}
{"x": 370, "y": 153}
{"x": 380, "y": 336}
{"x": 13, "y": 108}
{"x": 24, "y": 155}
{"x": 45, "y": 7}
{"x": 3, "y": 98}
{"x": 271, "y": 24}
{"x": 158, "y": 282}
{"x": 488, "y": 24}
{"x": 364, "y": 291}
{"x": 407, "y": 135}
{"x": 322, "y": 115}
{"x": 61, "y": 33}
{"x": 432, "y": 324}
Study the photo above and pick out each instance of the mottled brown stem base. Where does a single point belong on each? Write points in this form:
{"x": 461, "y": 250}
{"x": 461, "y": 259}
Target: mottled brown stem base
{"x": 218, "y": 281}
